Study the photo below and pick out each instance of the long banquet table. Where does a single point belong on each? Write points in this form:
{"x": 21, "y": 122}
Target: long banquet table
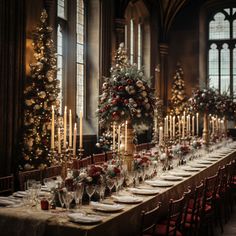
{"x": 24, "y": 221}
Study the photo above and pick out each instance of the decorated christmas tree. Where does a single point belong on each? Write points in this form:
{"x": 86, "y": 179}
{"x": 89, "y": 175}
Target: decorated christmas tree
{"x": 178, "y": 101}
{"x": 40, "y": 94}
{"x": 126, "y": 96}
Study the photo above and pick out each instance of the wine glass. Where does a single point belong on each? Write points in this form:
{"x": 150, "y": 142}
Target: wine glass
{"x": 68, "y": 197}
{"x": 110, "y": 184}
{"x": 60, "y": 196}
{"x": 90, "y": 190}
{"x": 101, "y": 191}
{"x": 78, "y": 194}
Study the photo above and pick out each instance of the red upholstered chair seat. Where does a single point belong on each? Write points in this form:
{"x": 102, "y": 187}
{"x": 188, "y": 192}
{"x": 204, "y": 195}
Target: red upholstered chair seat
{"x": 161, "y": 230}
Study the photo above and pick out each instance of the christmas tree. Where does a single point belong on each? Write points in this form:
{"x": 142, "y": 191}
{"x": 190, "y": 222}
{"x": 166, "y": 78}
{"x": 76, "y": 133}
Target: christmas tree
{"x": 40, "y": 94}
{"x": 126, "y": 95}
{"x": 178, "y": 102}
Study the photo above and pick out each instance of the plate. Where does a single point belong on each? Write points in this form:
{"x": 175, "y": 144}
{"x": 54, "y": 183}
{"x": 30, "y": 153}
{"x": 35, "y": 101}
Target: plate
{"x": 84, "y": 219}
{"x": 206, "y": 162}
{"x": 144, "y": 191}
{"x": 181, "y": 173}
{"x": 106, "y": 207}
{"x": 6, "y": 202}
{"x": 171, "y": 177}
{"x": 159, "y": 183}
{"x": 19, "y": 194}
{"x": 197, "y": 165}
{"x": 127, "y": 199}
{"x": 190, "y": 169}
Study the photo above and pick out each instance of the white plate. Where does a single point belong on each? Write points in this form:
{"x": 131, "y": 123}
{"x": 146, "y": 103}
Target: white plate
{"x": 106, "y": 207}
{"x": 159, "y": 183}
{"x": 204, "y": 162}
{"x": 19, "y": 194}
{"x": 190, "y": 169}
{"x": 144, "y": 191}
{"x": 171, "y": 177}
{"x": 197, "y": 165}
{"x": 180, "y": 173}
{"x": 6, "y": 202}
{"x": 85, "y": 219}
{"x": 127, "y": 199}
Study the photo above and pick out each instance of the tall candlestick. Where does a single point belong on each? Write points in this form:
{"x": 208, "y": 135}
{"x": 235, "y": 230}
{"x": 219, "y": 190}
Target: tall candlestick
{"x": 74, "y": 140}
{"x": 65, "y": 127}
{"x": 59, "y": 140}
{"x": 183, "y": 127}
{"x": 126, "y": 133}
{"x": 52, "y": 128}
{"x": 197, "y": 128}
{"x": 118, "y": 138}
{"x": 81, "y": 131}
{"x": 179, "y": 126}
{"x": 70, "y": 129}
{"x": 114, "y": 137}
{"x": 170, "y": 126}
{"x": 193, "y": 125}
{"x": 167, "y": 127}
{"x": 160, "y": 135}
{"x": 188, "y": 124}
{"x": 173, "y": 126}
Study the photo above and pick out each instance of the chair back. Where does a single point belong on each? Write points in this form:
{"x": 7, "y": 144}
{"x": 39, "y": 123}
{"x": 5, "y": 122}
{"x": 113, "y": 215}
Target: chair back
{"x": 52, "y": 171}
{"x": 6, "y": 184}
{"x": 175, "y": 213}
{"x": 141, "y": 146}
{"x": 99, "y": 158}
{"x": 83, "y": 163}
{"x": 26, "y": 175}
{"x": 109, "y": 155}
{"x": 149, "y": 220}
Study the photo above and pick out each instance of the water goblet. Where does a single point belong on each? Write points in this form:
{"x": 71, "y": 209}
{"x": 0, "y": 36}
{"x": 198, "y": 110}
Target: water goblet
{"x": 61, "y": 198}
{"x": 90, "y": 190}
{"x": 101, "y": 191}
{"x": 110, "y": 184}
{"x": 78, "y": 194}
{"x": 68, "y": 197}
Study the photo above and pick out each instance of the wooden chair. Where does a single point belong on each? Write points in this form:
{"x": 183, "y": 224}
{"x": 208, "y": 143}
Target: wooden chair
{"x": 149, "y": 220}
{"x": 52, "y": 171}
{"x": 83, "y": 163}
{"x": 172, "y": 225}
{"x": 141, "y": 146}
{"x": 6, "y": 185}
{"x": 109, "y": 155}
{"x": 191, "y": 221}
{"x": 99, "y": 158}
{"x": 31, "y": 174}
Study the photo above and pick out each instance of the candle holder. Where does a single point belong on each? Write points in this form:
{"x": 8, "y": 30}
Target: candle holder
{"x": 81, "y": 151}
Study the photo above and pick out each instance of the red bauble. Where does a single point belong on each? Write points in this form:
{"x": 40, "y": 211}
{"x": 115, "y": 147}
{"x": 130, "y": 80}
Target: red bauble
{"x": 115, "y": 88}
{"x": 115, "y": 115}
{"x": 126, "y": 101}
{"x": 114, "y": 101}
{"x": 129, "y": 81}
{"x": 121, "y": 88}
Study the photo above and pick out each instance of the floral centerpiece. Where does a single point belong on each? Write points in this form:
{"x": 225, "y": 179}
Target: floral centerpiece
{"x": 140, "y": 162}
{"x": 126, "y": 95}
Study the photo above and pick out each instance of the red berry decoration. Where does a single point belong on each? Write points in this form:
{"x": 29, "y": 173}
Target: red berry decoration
{"x": 121, "y": 88}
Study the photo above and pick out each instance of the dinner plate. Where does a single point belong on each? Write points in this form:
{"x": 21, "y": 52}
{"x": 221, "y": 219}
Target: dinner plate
{"x": 180, "y": 173}
{"x": 84, "y": 219}
{"x": 171, "y": 177}
{"x": 189, "y": 168}
{"x": 19, "y": 194}
{"x": 204, "y": 162}
{"x": 6, "y": 202}
{"x": 127, "y": 199}
{"x": 106, "y": 207}
{"x": 159, "y": 183}
{"x": 197, "y": 165}
{"x": 144, "y": 191}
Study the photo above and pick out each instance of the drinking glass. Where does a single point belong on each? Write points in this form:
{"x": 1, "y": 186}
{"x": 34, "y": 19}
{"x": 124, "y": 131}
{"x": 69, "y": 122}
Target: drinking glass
{"x": 78, "y": 194}
{"x": 110, "y": 184}
{"x": 101, "y": 191}
{"x": 90, "y": 190}
{"x": 60, "y": 196}
{"x": 68, "y": 197}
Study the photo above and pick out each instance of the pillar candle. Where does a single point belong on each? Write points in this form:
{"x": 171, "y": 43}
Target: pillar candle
{"x": 74, "y": 140}
{"x": 173, "y": 126}
{"x": 126, "y": 123}
{"x": 197, "y": 128}
{"x": 114, "y": 137}
{"x": 118, "y": 138}
{"x": 81, "y": 130}
{"x": 167, "y": 127}
{"x": 183, "y": 127}
{"x": 59, "y": 140}
{"x": 193, "y": 125}
{"x": 70, "y": 129}
{"x": 52, "y": 128}
{"x": 179, "y": 126}
{"x": 213, "y": 125}
{"x": 65, "y": 127}
{"x": 160, "y": 135}
{"x": 170, "y": 126}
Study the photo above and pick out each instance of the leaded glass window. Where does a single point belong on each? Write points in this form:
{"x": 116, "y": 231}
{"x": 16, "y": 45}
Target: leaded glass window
{"x": 221, "y": 51}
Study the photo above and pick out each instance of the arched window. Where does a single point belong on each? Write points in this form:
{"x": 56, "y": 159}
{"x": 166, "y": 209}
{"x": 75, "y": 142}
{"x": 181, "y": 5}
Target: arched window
{"x": 70, "y": 50}
{"x": 222, "y": 50}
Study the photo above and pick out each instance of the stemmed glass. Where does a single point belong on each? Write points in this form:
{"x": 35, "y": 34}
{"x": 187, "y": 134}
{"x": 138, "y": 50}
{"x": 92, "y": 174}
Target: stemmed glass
{"x": 101, "y": 191}
{"x": 110, "y": 184}
{"x": 60, "y": 196}
{"x": 90, "y": 190}
{"x": 68, "y": 197}
{"x": 78, "y": 194}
